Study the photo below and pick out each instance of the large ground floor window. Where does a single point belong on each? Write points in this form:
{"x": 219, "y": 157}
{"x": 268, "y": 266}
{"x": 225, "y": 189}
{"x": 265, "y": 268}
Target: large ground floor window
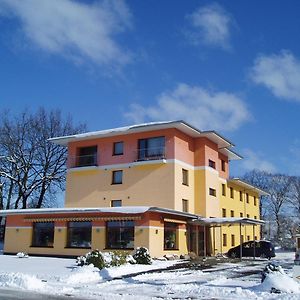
{"x": 79, "y": 234}
{"x": 120, "y": 235}
{"x": 170, "y": 236}
{"x": 43, "y": 234}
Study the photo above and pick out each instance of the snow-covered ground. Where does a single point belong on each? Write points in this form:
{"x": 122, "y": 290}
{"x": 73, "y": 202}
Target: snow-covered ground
{"x": 59, "y": 276}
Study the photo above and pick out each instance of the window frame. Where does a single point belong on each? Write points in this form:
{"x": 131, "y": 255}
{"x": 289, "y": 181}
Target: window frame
{"x": 212, "y": 192}
{"x": 231, "y": 193}
{"x": 172, "y": 242}
{"x": 224, "y": 242}
{"x": 144, "y": 149}
{"x": 34, "y": 233}
{"x": 114, "y": 178}
{"x": 125, "y": 227}
{"x": 223, "y": 189}
{"x": 70, "y": 242}
{"x": 185, "y": 177}
{"x": 115, "y": 201}
{"x": 212, "y": 163}
{"x": 223, "y": 212}
{"x": 223, "y": 165}
{"x": 232, "y": 240}
{"x": 115, "y": 153}
{"x": 185, "y": 205}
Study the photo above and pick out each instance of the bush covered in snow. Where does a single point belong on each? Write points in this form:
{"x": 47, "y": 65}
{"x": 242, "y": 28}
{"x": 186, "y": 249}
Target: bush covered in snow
{"x": 105, "y": 259}
{"x": 22, "y": 255}
{"x": 94, "y": 257}
{"x": 142, "y": 256}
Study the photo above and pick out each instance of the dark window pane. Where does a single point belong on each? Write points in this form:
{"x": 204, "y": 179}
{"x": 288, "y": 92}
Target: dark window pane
{"x": 117, "y": 177}
{"x": 118, "y": 148}
{"x": 170, "y": 236}
{"x": 43, "y": 234}
{"x": 87, "y": 156}
{"x": 116, "y": 203}
{"x": 79, "y": 234}
{"x": 185, "y": 177}
{"x": 120, "y": 235}
{"x": 151, "y": 148}
{"x": 211, "y": 163}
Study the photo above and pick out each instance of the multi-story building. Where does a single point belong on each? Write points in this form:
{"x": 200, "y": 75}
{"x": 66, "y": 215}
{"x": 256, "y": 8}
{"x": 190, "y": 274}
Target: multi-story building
{"x": 163, "y": 185}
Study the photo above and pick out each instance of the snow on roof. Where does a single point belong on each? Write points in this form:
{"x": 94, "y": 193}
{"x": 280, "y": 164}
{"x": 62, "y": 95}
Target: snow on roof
{"x": 219, "y": 221}
{"x": 123, "y": 209}
{"x": 248, "y": 186}
{"x": 120, "y": 210}
{"x": 180, "y": 125}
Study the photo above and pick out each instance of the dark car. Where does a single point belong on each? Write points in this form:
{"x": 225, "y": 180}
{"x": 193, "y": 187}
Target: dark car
{"x": 263, "y": 249}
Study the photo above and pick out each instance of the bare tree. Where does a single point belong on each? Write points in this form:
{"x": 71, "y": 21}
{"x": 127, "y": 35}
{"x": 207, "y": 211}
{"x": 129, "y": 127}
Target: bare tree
{"x": 32, "y": 169}
{"x": 295, "y": 199}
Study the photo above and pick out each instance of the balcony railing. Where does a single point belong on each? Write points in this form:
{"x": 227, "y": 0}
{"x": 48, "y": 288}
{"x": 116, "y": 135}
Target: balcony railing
{"x": 82, "y": 161}
{"x": 150, "y": 154}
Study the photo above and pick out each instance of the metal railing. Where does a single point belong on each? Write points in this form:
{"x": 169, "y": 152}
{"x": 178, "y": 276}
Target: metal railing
{"x": 150, "y": 153}
{"x": 82, "y": 161}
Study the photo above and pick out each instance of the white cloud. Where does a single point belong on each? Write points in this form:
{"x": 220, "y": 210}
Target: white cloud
{"x": 203, "y": 108}
{"x": 212, "y": 26}
{"x": 279, "y": 73}
{"x": 75, "y": 30}
{"x": 253, "y": 160}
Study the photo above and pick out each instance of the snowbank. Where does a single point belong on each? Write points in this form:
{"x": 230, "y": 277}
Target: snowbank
{"x": 85, "y": 274}
{"x": 22, "y": 281}
{"x": 280, "y": 282}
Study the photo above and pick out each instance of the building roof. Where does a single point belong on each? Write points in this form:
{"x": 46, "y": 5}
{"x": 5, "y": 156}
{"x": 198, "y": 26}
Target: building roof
{"x": 115, "y": 210}
{"x": 247, "y": 186}
{"x": 183, "y": 126}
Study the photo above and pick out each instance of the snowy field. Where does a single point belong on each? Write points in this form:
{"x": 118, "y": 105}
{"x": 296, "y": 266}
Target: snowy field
{"x": 57, "y": 276}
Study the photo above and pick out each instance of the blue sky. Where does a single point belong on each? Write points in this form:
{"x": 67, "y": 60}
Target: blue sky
{"x": 230, "y": 66}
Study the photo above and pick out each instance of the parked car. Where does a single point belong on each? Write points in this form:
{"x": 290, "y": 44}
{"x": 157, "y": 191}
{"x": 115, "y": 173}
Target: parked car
{"x": 263, "y": 249}
{"x": 296, "y": 268}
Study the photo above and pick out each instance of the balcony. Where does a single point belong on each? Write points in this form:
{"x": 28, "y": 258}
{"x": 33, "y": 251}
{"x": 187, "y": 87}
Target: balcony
{"x": 83, "y": 161}
{"x": 150, "y": 154}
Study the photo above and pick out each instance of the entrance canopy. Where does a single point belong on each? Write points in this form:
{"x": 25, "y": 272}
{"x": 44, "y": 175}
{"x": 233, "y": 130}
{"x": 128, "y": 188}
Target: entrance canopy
{"x": 223, "y": 221}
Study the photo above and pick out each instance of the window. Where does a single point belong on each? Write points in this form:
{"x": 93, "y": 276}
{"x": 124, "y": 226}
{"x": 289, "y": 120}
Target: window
{"x": 120, "y": 235}
{"x": 223, "y": 165}
{"x": 232, "y": 240}
{"x": 116, "y": 203}
{"x": 232, "y": 214}
{"x": 43, "y": 234}
{"x": 185, "y": 177}
{"x": 255, "y": 202}
{"x": 152, "y": 148}
{"x": 212, "y": 192}
{"x": 170, "y": 236}
{"x": 223, "y": 189}
{"x": 255, "y": 238}
{"x": 87, "y": 156}
{"x": 117, "y": 177}
{"x": 241, "y": 215}
{"x": 255, "y": 217}
{"x": 185, "y": 205}
{"x": 211, "y": 163}
{"x": 231, "y": 192}
{"x": 248, "y": 237}
{"x": 118, "y": 148}
{"x": 242, "y": 239}
{"x": 247, "y": 197}
{"x": 224, "y": 239}
{"x": 79, "y": 234}
{"x": 223, "y": 212}
{"x": 241, "y": 196}
{"x": 248, "y": 216}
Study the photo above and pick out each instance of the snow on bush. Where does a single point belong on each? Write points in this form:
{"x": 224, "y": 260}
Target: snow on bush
{"x": 142, "y": 256}
{"x": 106, "y": 259}
{"x": 23, "y": 281}
{"x": 22, "y": 255}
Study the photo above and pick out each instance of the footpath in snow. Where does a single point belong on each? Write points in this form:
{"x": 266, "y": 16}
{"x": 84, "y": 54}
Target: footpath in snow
{"x": 57, "y": 276}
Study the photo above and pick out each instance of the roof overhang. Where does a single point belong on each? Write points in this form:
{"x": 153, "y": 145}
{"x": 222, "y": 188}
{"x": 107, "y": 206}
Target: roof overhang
{"x": 180, "y": 125}
{"x": 227, "y": 221}
{"x": 247, "y": 186}
{"x": 114, "y": 210}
